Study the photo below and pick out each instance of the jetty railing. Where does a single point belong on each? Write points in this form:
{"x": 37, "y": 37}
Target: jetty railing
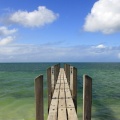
{"x": 62, "y": 94}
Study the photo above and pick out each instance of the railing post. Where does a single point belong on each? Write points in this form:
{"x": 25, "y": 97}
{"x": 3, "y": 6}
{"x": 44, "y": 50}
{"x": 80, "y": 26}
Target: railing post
{"x": 71, "y": 79}
{"x": 65, "y": 69}
{"x": 55, "y": 74}
{"x": 49, "y": 87}
{"x": 52, "y": 79}
{"x": 87, "y": 97}
{"x": 75, "y": 87}
{"x": 39, "y": 98}
{"x": 67, "y": 72}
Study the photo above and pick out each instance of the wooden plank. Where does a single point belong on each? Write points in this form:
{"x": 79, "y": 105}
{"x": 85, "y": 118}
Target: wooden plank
{"x": 52, "y": 115}
{"x": 65, "y": 81}
{"x": 62, "y": 103}
{"x": 62, "y": 86}
{"x": 66, "y": 86}
{"x": 68, "y": 93}
{"x": 69, "y": 103}
{"x": 55, "y": 94}
{"x": 87, "y": 97}
{"x": 62, "y": 81}
{"x": 57, "y": 86}
{"x": 62, "y": 114}
{"x": 54, "y": 104}
{"x": 39, "y": 98}
{"x": 72, "y": 114}
{"x": 58, "y": 81}
{"x": 62, "y": 94}
{"x": 53, "y": 110}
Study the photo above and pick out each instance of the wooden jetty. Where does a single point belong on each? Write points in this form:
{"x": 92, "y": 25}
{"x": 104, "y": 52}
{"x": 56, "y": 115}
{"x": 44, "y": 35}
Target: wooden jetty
{"x": 62, "y": 94}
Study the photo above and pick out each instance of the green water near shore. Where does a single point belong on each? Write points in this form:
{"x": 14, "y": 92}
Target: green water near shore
{"x": 17, "y": 100}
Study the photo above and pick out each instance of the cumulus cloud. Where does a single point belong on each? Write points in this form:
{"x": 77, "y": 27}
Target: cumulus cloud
{"x": 104, "y": 17}
{"x": 36, "y": 18}
{"x": 5, "y": 31}
{"x": 6, "y": 40}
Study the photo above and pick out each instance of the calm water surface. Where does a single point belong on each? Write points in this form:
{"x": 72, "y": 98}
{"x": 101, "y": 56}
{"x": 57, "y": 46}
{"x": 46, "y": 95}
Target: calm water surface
{"x": 17, "y": 89}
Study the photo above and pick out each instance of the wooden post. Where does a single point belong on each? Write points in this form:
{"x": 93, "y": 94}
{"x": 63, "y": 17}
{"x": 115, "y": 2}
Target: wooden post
{"x": 39, "y": 98}
{"x": 58, "y": 69}
{"x": 75, "y": 87}
{"x": 71, "y": 79}
{"x": 49, "y": 87}
{"x": 65, "y": 69}
{"x": 55, "y": 74}
{"x": 67, "y": 72}
{"x": 87, "y": 97}
{"x": 52, "y": 79}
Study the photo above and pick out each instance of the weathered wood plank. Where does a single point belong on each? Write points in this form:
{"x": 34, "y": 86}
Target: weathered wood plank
{"x": 58, "y": 81}
{"x": 52, "y": 115}
{"x": 72, "y": 114}
{"x": 57, "y": 86}
{"x": 62, "y": 81}
{"x": 68, "y": 93}
{"x": 62, "y": 94}
{"x": 55, "y": 94}
{"x": 54, "y": 104}
{"x": 62, "y": 114}
{"x": 62, "y": 86}
{"x": 62, "y": 103}
{"x": 65, "y": 81}
{"x": 69, "y": 103}
{"x": 66, "y": 86}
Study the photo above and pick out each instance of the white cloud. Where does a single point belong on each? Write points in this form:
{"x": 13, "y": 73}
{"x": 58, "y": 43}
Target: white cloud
{"x": 119, "y": 55}
{"x": 6, "y": 40}
{"x": 51, "y": 53}
{"x": 5, "y": 31}
{"x": 104, "y": 17}
{"x": 36, "y": 18}
{"x": 101, "y": 46}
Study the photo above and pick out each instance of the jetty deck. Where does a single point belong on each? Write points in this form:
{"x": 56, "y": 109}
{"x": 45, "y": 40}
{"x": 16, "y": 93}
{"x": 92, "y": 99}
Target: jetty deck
{"x": 62, "y": 94}
{"x": 62, "y": 106}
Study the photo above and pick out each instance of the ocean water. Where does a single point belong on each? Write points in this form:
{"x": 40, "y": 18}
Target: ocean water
{"x": 17, "y": 101}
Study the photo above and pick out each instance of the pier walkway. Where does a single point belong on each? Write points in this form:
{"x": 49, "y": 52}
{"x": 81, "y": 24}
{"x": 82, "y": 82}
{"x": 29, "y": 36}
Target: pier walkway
{"x": 62, "y": 94}
{"x": 62, "y": 106}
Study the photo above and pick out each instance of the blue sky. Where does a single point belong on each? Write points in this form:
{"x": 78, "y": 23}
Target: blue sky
{"x": 60, "y": 31}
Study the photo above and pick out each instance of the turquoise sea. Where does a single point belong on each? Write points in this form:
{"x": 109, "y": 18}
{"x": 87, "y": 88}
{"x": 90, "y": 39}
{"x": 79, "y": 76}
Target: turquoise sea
{"x": 17, "y": 100}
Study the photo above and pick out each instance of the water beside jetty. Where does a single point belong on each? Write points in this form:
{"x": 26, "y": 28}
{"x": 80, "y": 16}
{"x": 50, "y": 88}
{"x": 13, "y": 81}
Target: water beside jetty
{"x": 17, "y": 89}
